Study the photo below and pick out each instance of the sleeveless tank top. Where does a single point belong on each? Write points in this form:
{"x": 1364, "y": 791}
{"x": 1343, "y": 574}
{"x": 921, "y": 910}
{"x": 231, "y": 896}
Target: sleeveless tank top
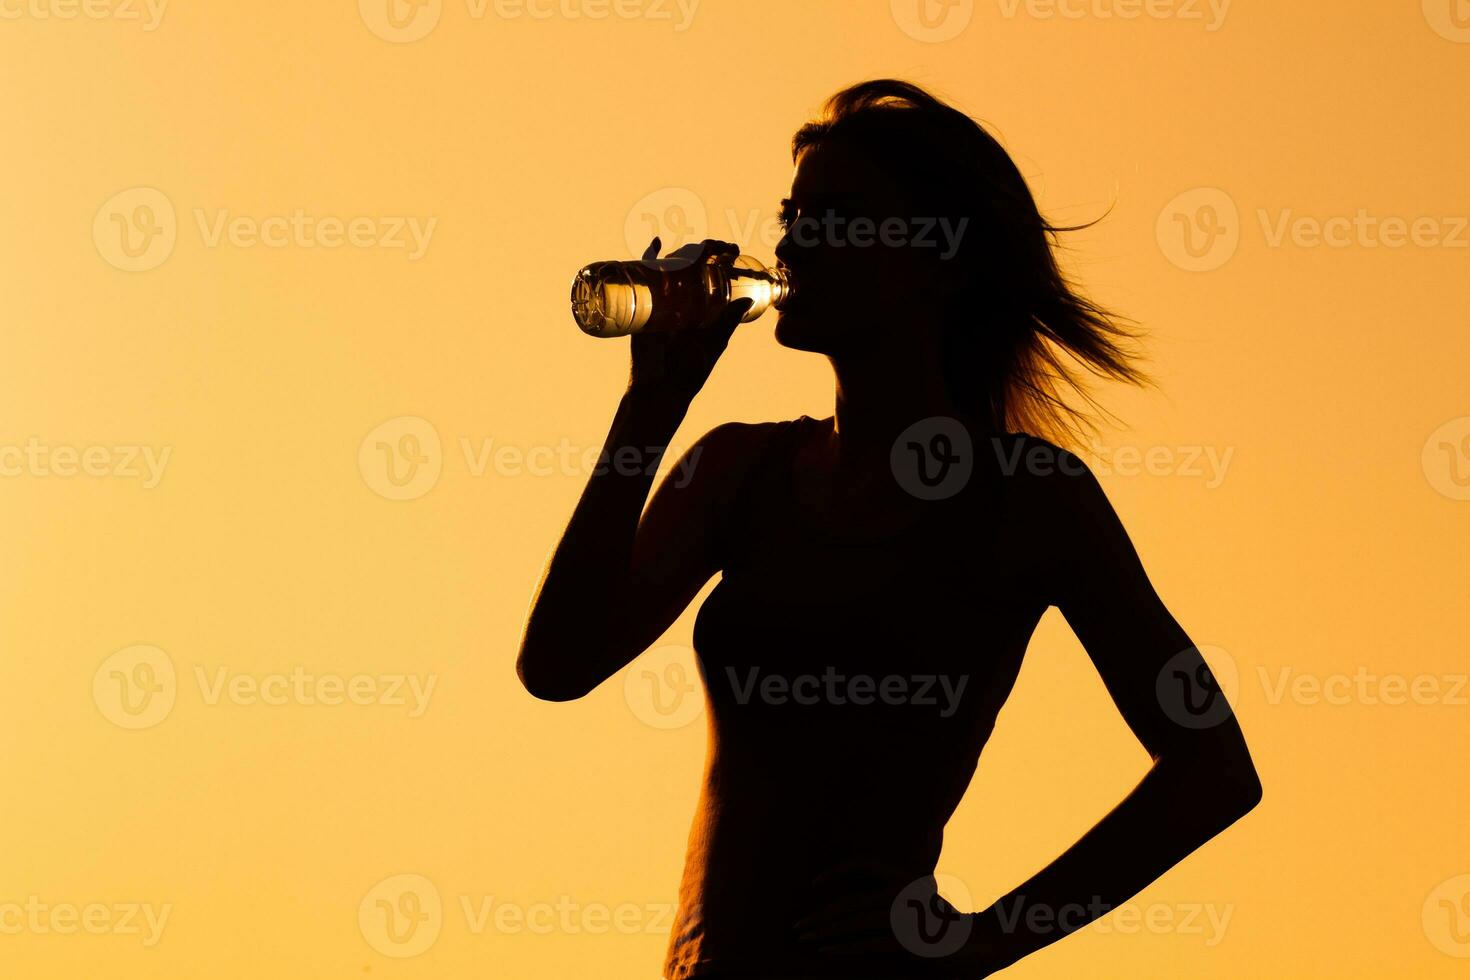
{"x": 850, "y": 686}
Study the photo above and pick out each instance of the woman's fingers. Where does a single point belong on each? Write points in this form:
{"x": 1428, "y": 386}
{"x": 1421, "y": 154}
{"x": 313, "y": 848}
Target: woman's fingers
{"x": 713, "y": 246}
{"x": 859, "y": 932}
{"x": 847, "y": 905}
{"x": 731, "y": 316}
{"x": 856, "y": 921}
{"x": 651, "y": 252}
{"x": 866, "y": 924}
{"x": 857, "y": 947}
{"x": 856, "y": 867}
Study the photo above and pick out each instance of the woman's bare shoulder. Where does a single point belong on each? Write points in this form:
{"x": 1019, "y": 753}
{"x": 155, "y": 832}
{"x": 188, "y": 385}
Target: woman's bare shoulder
{"x": 1049, "y": 486}
{"x": 1032, "y": 458}
{"x": 729, "y": 449}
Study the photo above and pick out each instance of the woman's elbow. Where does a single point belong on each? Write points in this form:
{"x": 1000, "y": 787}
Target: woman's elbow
{"x": 1246, "y": 790}
{"x": 1234, "y": 786}
{"x": 1240, "y": 784}
{"x": 547, "y": 683}
{"x": 1223, "y": 782}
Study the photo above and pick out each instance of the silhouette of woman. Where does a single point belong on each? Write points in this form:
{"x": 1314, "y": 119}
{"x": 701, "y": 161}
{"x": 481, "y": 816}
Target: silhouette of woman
{"x": 882, "y": 571}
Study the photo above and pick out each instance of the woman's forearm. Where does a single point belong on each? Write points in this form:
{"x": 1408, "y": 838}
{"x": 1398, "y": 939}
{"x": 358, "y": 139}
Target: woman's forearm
{"x": 567, "y": 634}
{"x": 1169, "y": 814}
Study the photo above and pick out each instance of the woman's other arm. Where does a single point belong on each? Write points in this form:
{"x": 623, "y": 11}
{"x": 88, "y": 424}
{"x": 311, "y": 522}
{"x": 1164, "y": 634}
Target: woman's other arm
{"x": 1201, "y": 779}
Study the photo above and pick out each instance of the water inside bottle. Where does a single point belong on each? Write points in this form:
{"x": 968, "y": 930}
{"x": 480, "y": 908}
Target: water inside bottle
{"x": 614, "y": 298}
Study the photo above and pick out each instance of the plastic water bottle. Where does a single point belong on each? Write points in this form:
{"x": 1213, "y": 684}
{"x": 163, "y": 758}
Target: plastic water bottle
{"x": 610, "y": 299}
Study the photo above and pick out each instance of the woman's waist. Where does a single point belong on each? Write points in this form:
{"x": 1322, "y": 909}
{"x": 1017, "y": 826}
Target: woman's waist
{"x": 740, "y": 902}
{"x": 744, "y": 858}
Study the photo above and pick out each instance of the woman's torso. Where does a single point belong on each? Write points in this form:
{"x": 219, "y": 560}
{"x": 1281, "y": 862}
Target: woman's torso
{"x": 852, "y": 681}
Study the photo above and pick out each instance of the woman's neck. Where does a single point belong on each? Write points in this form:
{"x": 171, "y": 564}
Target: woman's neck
{"x": 879, "y": 395}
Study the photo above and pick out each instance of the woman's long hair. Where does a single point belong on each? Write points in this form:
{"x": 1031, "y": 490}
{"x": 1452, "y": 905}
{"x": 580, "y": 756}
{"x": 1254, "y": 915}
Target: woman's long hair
{"x": 1011, "y": 335}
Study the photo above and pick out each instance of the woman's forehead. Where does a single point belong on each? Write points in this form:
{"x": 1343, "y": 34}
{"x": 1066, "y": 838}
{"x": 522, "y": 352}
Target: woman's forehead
{"x": 833, "y": 171}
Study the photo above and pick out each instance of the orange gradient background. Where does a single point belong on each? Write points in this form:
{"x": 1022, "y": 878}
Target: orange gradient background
{"x": 1335, "y": 540}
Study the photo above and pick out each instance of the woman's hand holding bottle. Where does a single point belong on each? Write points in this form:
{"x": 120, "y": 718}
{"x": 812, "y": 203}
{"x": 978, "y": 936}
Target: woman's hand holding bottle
{"x": 672, "y": 366}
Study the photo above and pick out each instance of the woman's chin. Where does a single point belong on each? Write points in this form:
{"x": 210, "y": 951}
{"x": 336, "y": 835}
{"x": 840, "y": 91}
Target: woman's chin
{"x": 799, "y": 332}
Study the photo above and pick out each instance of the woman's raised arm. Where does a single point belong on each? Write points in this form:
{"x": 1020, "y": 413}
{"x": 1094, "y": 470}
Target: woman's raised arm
{"x": 615, "y": 582}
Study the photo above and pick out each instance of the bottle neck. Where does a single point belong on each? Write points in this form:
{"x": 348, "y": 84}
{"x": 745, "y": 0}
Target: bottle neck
{"x": 782, "y": 288}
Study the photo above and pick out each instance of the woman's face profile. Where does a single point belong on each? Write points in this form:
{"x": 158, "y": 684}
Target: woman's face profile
{"x": 847, "y": 243}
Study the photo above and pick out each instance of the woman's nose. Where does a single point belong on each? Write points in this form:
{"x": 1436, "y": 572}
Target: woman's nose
{"x": 786, "y": 248}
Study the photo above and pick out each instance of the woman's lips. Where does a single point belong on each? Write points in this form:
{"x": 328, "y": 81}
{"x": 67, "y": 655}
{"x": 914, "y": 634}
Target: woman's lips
{"x": 799, "y": 298}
